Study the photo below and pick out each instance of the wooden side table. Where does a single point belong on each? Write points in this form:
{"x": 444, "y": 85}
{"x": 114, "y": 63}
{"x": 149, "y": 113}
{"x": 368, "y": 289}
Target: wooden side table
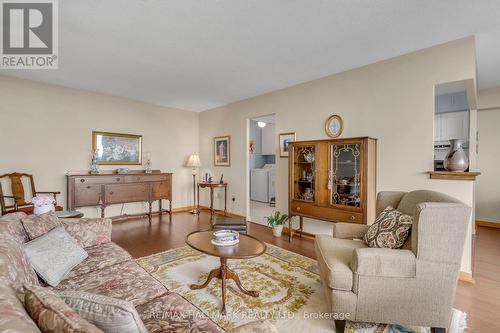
{"x": 213, "y": 186}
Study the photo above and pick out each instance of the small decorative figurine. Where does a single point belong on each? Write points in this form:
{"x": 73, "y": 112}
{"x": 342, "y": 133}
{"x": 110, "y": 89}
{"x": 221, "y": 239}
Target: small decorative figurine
{"x": 147, "y": 164}
{"x": 209, "y": 180}
{"x": 94, "y": 169}
{"x": 221, "y": 181}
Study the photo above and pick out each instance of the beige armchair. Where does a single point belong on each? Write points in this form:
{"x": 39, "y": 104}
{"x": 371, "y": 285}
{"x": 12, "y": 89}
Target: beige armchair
{"x": 414, "y": 285}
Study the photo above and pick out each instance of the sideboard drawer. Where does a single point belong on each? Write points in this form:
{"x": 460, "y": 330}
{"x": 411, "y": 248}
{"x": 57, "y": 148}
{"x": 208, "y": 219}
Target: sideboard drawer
{"x": 337, "y": 215}
{"x": 99, "y": 180}
{"x": 87, "y": 195}
{"x": 144, "y": 178}
{"x": 121, "y": 193}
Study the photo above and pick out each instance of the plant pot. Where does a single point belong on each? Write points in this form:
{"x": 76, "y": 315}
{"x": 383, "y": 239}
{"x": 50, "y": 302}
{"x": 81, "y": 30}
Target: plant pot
{"x": 277, "y": 230}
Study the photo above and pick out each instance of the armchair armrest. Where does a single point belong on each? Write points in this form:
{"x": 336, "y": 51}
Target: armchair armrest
{"x": 15, "y": 198}
{"x": 54, "y": 193}
{"x": 89, "y": 231}
{"x": 349, "y": 230}
{"x": 383, "y": 262}
{"x": 11, "y": 197}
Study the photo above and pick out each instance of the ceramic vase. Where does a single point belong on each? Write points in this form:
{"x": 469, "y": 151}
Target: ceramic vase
{"x": 456, "y": 160}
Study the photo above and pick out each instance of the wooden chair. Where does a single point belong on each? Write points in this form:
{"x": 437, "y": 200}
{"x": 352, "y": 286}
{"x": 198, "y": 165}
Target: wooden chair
{"x": 18, "y": 194}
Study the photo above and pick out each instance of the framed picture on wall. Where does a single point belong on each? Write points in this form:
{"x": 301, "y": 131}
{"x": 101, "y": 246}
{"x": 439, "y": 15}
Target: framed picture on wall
{"x": 117, "y": 148}
{"x": 222, "y": 151}
{"x": 284, "y": 140}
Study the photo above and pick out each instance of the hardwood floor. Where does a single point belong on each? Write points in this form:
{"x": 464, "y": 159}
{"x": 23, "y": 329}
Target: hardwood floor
{"x": 480, "y": 300}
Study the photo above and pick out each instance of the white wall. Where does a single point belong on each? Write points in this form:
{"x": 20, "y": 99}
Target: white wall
{"x": 391, "y": 100}
{"x": 488, "y": 183}
{"x": 46, "y": 130}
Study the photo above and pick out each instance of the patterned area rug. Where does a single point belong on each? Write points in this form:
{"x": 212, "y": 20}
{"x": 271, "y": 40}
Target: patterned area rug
{"x": 291, "y": 294}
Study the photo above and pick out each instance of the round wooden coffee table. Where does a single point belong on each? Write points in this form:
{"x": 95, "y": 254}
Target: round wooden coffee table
{"x": 248, "y": 247}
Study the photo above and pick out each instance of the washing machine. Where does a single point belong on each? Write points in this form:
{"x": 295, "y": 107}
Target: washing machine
{"x": 263, "y": 183}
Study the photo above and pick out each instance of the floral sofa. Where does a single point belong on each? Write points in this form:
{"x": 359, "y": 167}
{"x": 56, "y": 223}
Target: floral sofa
{"x": 109, "y": 270}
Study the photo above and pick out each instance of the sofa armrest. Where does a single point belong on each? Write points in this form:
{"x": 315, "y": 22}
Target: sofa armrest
{"x": 349, "y": 230}
{"x": 383, "y": 262}
{"x": 88, "y": 231}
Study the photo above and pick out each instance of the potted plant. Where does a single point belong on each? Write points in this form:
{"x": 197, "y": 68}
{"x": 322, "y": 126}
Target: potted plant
{"x": 276, "y": 221}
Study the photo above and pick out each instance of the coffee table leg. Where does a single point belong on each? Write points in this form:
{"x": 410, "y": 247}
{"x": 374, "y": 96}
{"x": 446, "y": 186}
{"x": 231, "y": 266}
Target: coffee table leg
{"x": 223, "y": 271}
{"x": 214, "y": 273}
{"x": 233, "y": 276}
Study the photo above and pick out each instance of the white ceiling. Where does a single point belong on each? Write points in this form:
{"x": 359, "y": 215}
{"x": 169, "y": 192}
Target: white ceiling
{"x": 199, "y": 54}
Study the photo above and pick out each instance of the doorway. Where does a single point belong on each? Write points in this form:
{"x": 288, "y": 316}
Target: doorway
{"x": 261, "y": 175}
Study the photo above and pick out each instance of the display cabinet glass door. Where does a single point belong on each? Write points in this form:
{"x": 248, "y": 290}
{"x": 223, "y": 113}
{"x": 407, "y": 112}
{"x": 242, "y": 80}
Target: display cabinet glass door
{"x": 304, "y": 176}
{"x": 345, "y": 174}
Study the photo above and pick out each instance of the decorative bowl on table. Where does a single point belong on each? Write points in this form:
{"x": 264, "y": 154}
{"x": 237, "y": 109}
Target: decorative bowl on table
{"x": 225, "y": 238}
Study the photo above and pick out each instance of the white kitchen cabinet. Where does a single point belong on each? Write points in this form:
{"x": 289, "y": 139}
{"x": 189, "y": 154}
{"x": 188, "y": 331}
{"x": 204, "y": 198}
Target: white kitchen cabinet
{"x": 437, "y": 127}
{"x": 452, "y": 102}
{"x": 269, "y": 139}
{"x": 451, "y": 125}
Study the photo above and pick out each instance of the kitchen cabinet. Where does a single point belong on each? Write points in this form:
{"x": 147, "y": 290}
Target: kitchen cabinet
{"x": 451, "y": 125}
{"x": 452, "y": 102}
{"x": 268, "y": 140}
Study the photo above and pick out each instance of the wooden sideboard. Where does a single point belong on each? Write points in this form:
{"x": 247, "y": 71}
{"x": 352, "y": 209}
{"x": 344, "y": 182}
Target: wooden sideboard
{"x": 104, "y": 189}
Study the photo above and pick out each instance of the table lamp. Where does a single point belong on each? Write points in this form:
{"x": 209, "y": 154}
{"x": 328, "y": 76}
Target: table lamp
{"x": 193, "y": 162}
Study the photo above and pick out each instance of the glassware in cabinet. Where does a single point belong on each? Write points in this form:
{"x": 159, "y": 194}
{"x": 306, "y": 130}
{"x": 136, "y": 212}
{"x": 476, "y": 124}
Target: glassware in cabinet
{"x": 345, "y": 174}
{"x": 304, "y": 177}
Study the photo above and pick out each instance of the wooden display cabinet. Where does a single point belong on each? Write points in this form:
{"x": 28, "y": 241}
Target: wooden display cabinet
{"x": 332, "y": 180}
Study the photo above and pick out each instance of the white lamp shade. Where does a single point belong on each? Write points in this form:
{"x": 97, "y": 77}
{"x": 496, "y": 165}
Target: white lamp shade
{"x": 261, "y": 124}
{"x": 193, "y": 161}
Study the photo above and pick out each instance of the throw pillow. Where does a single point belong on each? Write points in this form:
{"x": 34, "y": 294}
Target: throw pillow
{"x": 51, "y": 314}
{"x": 390, "y": 230}
{"x": 54, "y": 254}
{"x": 38, "y": 225}
{"x": 108, "y": 313}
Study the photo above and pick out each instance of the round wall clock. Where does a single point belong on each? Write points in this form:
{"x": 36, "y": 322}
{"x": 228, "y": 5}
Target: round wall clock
{"x": 334, "y": 126}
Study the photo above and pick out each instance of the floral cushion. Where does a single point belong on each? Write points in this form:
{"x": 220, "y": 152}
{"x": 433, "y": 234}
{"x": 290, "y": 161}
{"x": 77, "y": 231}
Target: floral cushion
{"x": 54, "y": 254}
{"x": 14, "y": 318}
{"x": 11, "y": 224}
{"x": 38, "y": 225}
{"x": 15, "y": 268}
{"x": 390, "y": 229}
{"x": 108, "y": 313}
{"x": 89, "y": 231}
{"x": 127, "y": 281}
{"x": 100, "y": 256}
{"x": 51, "y": 313}
{"x": 172, "y": 313}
